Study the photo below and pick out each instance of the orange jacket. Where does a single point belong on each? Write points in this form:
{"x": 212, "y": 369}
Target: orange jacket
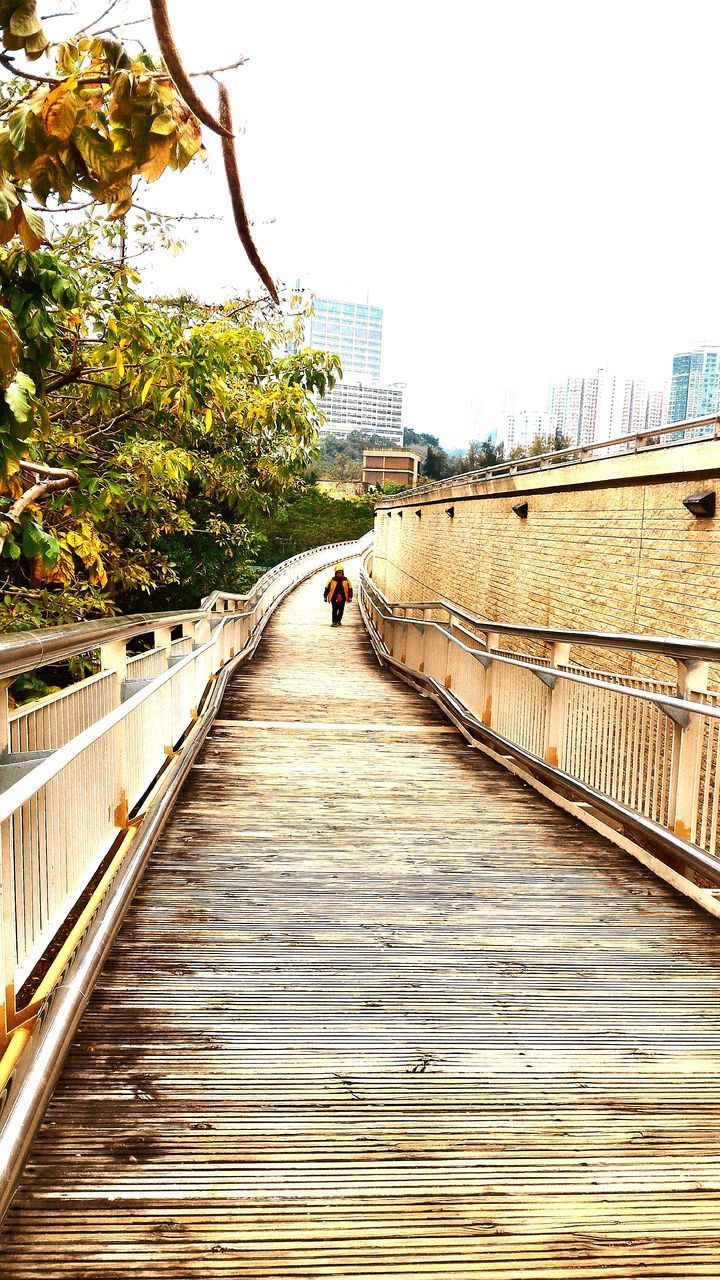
{"x": 336, "y": 581}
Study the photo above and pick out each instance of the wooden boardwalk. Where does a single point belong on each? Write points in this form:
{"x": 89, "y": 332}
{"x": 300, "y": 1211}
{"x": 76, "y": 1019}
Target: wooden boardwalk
{"x": 378, "y": 1010}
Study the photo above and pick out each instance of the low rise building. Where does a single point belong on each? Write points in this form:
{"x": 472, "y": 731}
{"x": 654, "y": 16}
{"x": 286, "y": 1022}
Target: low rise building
{"x": 396, "y": 466}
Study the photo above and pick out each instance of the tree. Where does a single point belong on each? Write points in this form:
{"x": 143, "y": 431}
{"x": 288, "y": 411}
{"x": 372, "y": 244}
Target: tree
{"x": 309, "y": 519}
{"x": 481, "y": 455}
{"x": 103, "y": 120}
{"x": 437, "y": 464}
{"x": 128, "y": 425}
{"x": 175, "y": 418}
{"x": 551, "y": 442}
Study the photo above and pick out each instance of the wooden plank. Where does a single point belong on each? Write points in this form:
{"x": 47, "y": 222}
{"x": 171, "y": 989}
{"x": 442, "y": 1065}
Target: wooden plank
{"x": 378, "y": 1009}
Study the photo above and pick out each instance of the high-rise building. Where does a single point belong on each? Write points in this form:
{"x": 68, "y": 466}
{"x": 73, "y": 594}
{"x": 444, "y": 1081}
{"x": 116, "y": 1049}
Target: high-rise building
{"x": 597, "y": 408}
{"x": 354, "y": 331}
{"x": 655, "y": 418}
{"x": 360, "y": 402}
{"x": 695, "y": 384}
{"x": 520, "y": 427}
{"x": 588, "y": 410}
{"x": 371, "y": 408}
{"x": 633, "y": 402}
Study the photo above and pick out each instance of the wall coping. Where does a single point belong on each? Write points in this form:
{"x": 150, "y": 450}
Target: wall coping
{"x": 674, "y": 461}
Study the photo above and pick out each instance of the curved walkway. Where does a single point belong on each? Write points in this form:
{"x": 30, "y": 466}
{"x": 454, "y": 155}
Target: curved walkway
{"x": 378, "y": 1010}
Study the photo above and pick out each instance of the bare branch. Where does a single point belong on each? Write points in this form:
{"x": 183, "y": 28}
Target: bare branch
{"x": 215, "y": 71}
{"x": 113, "y": 5}
{"x": 40, "y": 469}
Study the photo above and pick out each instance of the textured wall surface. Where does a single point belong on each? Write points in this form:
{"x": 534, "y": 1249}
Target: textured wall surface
{"x": 606, "y": 546}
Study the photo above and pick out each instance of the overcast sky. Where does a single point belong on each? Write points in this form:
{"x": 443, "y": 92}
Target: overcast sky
{"x": 528, "y": 188}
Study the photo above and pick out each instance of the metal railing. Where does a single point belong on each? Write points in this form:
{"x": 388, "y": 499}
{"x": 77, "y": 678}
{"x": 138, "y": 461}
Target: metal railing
{"x": 639, "y": 442}
{"x": 645, "y": 753}
{"x": 77, "y": 766}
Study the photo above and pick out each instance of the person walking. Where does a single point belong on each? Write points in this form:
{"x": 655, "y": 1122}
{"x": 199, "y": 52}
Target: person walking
{"x": 338, "y": 593}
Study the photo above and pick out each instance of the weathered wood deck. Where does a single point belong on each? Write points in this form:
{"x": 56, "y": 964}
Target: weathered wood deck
{"x": 379, "y": 1010}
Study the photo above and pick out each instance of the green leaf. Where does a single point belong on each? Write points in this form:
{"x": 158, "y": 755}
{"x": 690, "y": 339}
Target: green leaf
{"x": 18, "y": 128}
{"x": 93, "y": 147}
{"x": 32, "y": 539}
{"x": 18, "y": 396}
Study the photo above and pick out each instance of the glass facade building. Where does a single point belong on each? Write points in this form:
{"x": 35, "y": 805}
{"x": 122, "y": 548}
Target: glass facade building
{"x": 695, "y": 385}
{"x": 354, "y": 331}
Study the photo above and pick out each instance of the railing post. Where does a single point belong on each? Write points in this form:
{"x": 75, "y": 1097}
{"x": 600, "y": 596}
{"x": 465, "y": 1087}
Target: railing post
{"x": 555, "y": 726}
{"x": 203, "y": 631}
{"x": 162, "y": 639}
{"x": 492, "y": 641}
{"x": 692, "y": 679}
{"x": 113, "y": 657}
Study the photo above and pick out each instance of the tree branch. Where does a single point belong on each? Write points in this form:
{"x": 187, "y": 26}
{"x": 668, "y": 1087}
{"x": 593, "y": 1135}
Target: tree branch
{"x": 54, "y": 479}
{"x": 73, "y": 374}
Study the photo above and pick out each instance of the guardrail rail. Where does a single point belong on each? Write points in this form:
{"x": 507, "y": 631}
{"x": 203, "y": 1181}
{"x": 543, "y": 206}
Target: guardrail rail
{"x": 644, "y": 754}
{"x": 690, "y": 431}
{"x": 77, "y": 767}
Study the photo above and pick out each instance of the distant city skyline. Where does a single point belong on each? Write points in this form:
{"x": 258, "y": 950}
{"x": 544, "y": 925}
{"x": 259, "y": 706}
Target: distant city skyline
{"x": 599, "y": 405}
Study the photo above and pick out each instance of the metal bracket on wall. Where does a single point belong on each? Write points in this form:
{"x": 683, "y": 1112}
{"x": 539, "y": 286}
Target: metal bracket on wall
{"x": 548, "y": 678}
{"x": 676, "y": 714}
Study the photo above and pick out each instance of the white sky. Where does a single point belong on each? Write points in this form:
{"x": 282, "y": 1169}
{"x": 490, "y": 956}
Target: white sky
{"x": 528, "y": 187}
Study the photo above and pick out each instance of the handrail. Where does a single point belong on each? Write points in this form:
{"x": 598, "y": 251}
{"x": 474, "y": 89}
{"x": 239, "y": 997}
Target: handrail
{"x": 22, "y": 651}
{"x": 667, "y": 702}
{"x": 647, "y": 758}
{"x": 563, "y": 457}
{"x": 669, "y": 646}
{"x": 75, "y": 765}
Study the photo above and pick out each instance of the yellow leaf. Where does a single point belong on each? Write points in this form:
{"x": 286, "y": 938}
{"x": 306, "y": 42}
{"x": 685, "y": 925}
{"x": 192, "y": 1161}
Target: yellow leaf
{"x": 59, "y": 113}
{"x": 112, "y": 324}
{"x": 119, "y": 363}
{"x": 146, "y": 388}
{"x": 157, "y": 161}
{"x": 208, "y": 419}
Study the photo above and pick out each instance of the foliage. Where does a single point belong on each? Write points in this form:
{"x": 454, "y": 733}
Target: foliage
{"x": 103, "y": 119}
{"x": 550, "y": 442}
{"x": 310, "y": 519}
{"x": 301, "y": 520}
{"x": 340, "y": 457}
{"x": 439, "y": 465}
{"x": 128, "y": 425}
{"x": 177, "y": 419}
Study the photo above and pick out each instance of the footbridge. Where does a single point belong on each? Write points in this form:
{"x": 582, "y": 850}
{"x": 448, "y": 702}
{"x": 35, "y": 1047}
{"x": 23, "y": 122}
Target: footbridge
{"x": 379, "y": 951}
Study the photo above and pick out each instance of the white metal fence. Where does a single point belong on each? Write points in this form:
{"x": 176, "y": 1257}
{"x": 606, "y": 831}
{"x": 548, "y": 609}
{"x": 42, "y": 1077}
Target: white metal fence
{"x": 76, "y": 764}
{"x": 646, "y": 751}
